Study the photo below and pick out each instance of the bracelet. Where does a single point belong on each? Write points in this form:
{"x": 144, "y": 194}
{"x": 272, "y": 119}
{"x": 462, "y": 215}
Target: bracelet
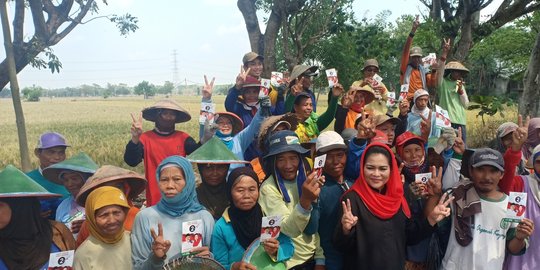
{"x": 411, "y": 34}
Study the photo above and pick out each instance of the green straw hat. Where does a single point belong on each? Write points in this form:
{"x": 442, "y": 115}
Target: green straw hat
{"x": 214, "y": 151}
{"x": 81, "y": 163}
{"x": 16, "y": 184}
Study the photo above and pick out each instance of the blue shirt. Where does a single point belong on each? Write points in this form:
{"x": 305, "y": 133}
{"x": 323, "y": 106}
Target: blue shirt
{"x": 227, "y": 250}
{"x": 53, "y": 203}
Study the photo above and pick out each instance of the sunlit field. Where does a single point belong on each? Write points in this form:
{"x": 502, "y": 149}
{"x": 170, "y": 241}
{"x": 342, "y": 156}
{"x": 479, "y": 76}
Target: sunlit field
{"x": 100, "y": 127}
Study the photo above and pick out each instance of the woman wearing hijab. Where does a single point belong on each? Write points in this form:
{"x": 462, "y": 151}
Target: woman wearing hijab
{"x": 72, "y": 173}
{"x": 26, "y": 238}
{"x": 291, "y": 193}
{"x": 241, "y": 223}
{"x": 130, "y": 182}
{"x": 108, "y": 246}
{"x": 376, "y": 222}
{"x": 178, "y": 204}
{"x": 418, "y": 113}
{"x": 213, "y": 160}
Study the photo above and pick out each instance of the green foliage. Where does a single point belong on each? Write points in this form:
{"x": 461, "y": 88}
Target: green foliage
{"x": 490, "y": 105}
{"x": 166, "y": 88}
{"x": 125, "y": 23}
{"x": 145, "y": 88}
{"x": 33, "y": 93}
{"x": 53, "y": 62}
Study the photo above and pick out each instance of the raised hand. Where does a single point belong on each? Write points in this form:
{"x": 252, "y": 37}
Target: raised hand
{"x": 425, "y": 126}
{"x": 441, "y": 210}
{"x": 201, "y": 251}
{"x": 207, "y": 88}
{"x": 348, "y": 220}
{"x": 435, "y": 183}
{"x": 160, "y": 246}
{"x": 271, "y": 246}
{"x": 459, "y": 145}
{"x": 241, "y": 78}
{"x": 446, "y": 46}
{"x": 416, "y": 23}
{"x": 311, "y": 189}
{"x": 519, "y": 137}
{"x": 337, "y": 90}
{"x": 76, "y": 225}
{"x": 404, "y": 107}
{"x": 366, "y": 128}
{"x": 298, "y": 87}
{"x": 136, "y": 128}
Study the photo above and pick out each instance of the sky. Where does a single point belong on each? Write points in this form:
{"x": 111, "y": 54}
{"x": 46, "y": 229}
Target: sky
{"x": 208, "y": 36}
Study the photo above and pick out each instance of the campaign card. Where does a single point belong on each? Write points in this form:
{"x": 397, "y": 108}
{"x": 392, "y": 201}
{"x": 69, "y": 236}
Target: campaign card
{"x": 270, "y": 227}
{"x": 517, "y": 204}
{"x": 331, "y": 74}
{"x": 207, "y": 112}
{"x": 276, "y": 79}
{"x": 191, "y": 235}
{"x": 61, "y": 260}
{"x": 424, "y": 177}
{"x": 318, "y": 164}
{"x": 265, "y": 88}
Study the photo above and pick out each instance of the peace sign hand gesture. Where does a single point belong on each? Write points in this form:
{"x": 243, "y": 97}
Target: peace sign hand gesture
{"x": 136, "y": 128}
{"x": 241, "y": 77}
{"x": 446, "y": 47}
{"x": 519, "y": 137}
{"x": 348, "y": 220}
{"x": 298, "y": 87}
{"x": 459, "y": 145}
{"x": 366, "y": 128}
{"x": 425, "y": 126}
{"x": 441, "y": 210}
{"x": 160, "y": 246}
{"x": 208, "y": 88}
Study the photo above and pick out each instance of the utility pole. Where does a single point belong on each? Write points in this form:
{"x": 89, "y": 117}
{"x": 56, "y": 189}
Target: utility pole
{"x": 175, "y": 72}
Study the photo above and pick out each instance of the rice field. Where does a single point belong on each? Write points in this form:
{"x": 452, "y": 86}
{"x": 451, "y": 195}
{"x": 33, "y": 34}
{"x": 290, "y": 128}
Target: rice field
{"x": 100, "y": 127}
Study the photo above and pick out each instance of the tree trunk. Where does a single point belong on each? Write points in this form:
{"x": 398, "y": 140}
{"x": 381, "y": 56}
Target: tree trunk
{"x": 530, "y": 100}
{"x": 12, "y": 72}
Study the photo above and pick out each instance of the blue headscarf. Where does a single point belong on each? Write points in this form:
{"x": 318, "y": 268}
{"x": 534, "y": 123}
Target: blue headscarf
{"x": 185, "y": 201}
{"x": 536, "y": 155}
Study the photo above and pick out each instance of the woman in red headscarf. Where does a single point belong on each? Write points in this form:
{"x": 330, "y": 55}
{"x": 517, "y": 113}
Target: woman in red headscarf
{"x": 376, "y": 222}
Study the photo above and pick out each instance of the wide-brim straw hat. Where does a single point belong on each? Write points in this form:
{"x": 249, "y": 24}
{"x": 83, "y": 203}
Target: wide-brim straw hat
{"x": 151, "y": 113}
{"x": 301, "y": 69}
{"x": 237, "y": 123}
{"x": 270, "y": 123}
{"x": 214, "y": 151}
{"x": 81, "y": 163}
{"x": 16, "y": 184}
{"x": 366, "y": 89}
{"x": 455, "y": 65}
{"x": 109, "y": 173}
{"x": 380, "y": 119}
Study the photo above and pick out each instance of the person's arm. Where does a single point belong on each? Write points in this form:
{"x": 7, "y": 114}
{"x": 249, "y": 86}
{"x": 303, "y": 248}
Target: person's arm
{"x": 286, "y": 248}
{"x": 319, "y": 252}
{"x": 346, "y": 241}
{"x": 519, "y": 237}
{"x": 230, "y": 100}
{"x": 407, "y": 48}
{"x": 289, "y": 102}
{"x": 248, "y": 134}
{"x": 451, "y": 175}
{"x": 441, "y": 61}
{"x": 418, "y": 229}
{"x": 279, "y": 107}
{"x": 134, "y": 153}
{"x": 141, "y": 246}
{"x": 463, "y": 98}
{"x": 328, "y": 116}
{"x": 190, "y": 145}
{"x": 219, "y": 244}
{"x": 341, "y": 114}
{"x": 293, "y": 222}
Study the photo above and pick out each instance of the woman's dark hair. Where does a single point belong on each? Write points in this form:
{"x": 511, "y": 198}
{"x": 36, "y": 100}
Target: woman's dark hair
{"x": 378, "y": 150}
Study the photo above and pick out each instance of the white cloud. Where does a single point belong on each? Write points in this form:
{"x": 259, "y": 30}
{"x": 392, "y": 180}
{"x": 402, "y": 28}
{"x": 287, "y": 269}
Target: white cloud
{"x": 221, "y": 3}
{"x": 206, "y": 47}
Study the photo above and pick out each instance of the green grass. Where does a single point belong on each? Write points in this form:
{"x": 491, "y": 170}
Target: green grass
{"x": 100, "y": 127}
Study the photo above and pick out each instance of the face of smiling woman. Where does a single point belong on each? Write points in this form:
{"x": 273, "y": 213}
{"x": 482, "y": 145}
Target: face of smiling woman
{"x": 110, "y": 219}
{"x": 377, "y": 171}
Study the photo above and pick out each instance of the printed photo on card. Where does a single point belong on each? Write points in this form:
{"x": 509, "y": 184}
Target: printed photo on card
{"x": 191, "y": 235}
{"x": 377, "y": 78}
{"x": 424, "y": 177}
{"x": 61, "y": 260}
{"x": 391, "y": 99}
{"x": 403, "y": 92}
{"x": 270, "y": 227}
{"x": 276, "y": 79}
{"x": 318, "y": 164}
{"x": 331, "y": 74}
{"x": 429, "y": 60}
{"x": 517, "y": 204}
{"x": 442, "y": 117}
{"x": 265, "y": 88}
{"x": 207, "y": 112}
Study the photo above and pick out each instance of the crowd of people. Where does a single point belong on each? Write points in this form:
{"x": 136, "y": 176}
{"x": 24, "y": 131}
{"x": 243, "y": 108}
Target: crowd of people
{"x": 376, "y": 192}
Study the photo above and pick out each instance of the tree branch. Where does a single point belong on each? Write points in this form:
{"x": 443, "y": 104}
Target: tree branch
{"x": 18, "y": 23}
{"x": 74, "y": 22}
{"x": 249, "y": 12}
{"x": 39, "y": 20}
